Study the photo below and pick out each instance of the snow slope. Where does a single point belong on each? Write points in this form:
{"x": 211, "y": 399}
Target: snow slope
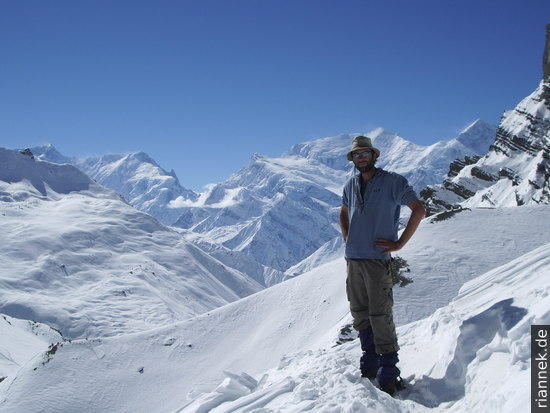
{"x": 21, "y": 341}
{"x": 277, "y": 346}
{"x": 76, "y": 256}
{"x": 472, "y": 355}
{"x": 446, "y": 253}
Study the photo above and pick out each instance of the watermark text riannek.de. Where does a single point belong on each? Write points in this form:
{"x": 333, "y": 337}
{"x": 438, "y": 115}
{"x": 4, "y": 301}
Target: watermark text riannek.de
{"x": 540, "y": 341}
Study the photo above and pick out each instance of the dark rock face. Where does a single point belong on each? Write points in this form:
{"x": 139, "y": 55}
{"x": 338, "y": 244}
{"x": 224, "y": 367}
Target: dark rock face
{"x": 546, "y": 56}
{"x": 510, "y": 174}
{"x": 458, "y": 164}
{"x": 484, "y": 175}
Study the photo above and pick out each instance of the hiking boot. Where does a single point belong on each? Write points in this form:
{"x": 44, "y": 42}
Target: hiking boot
{"x": 393, "y": 387}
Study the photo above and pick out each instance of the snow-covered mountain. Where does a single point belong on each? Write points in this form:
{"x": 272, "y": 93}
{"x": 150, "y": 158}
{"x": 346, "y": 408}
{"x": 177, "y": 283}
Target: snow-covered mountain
{"x": 515, "y": 171}
{"x": 421, "y": 165}
{"x": 276, "y": 216}
{"x": 275, "y": 351}
{"x": 271, "y": 210}
{"x": 74, "y": 255}
{"x": 281, "y": 211}
{"x": 136, "y": 176}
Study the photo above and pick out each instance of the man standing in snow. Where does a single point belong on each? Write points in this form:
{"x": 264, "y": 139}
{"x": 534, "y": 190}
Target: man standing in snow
{"x": 369, "y": 220}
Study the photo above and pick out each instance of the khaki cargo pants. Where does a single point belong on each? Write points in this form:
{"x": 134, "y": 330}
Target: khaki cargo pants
{"x": 369, "y": 288}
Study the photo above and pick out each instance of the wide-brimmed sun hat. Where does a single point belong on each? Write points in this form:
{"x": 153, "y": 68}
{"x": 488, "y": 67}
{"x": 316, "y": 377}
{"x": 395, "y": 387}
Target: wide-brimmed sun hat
{"x": 362, "y": 142}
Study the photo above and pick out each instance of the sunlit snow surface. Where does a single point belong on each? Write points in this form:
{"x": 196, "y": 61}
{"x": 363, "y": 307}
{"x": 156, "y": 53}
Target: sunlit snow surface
{"x": 69, "y": 248}
{"x": 274, "y": 351}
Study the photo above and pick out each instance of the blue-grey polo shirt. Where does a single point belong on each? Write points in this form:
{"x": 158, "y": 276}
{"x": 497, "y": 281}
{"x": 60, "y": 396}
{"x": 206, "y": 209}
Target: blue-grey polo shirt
{"x": 376, "y": 214}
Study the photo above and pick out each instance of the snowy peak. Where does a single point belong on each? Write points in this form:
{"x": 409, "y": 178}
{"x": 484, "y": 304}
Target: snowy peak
{"x": 276, "y": 210}
{"x": 50, "y": 153}
{"x": 426, "y": 165}
{"x": 514, "y": 172}
{"x": 46, "y": 179}
{"x": 141, "y": 181}
{"x": 136, "y": 176}
{"x": 478, "y": 136}
{"x": 388, "y": 142}
{"x": 328, "y": 151}
{"x": 421, "y": 165}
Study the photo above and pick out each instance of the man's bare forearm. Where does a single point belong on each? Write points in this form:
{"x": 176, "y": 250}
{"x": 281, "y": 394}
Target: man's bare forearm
{"x": 344, "y": 222}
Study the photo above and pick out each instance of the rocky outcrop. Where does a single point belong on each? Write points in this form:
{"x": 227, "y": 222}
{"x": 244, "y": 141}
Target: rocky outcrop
{"x": 458, "y": 164}
{"x": 516, "y": 169}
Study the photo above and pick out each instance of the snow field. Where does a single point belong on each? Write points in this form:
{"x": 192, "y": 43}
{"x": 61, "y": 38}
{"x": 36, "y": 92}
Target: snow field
{"x": 481, "y": 361}
{"x": 268, "y": 353}
{"x": 481, "y": 278}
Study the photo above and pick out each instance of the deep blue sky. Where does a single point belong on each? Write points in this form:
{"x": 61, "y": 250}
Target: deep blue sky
{"x": 202, "y": 85}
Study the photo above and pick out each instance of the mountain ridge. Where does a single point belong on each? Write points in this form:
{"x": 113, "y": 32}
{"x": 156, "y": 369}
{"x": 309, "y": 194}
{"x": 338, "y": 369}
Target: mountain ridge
{"x": 257, "y": 200}
{"x": 250, "y": 213}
